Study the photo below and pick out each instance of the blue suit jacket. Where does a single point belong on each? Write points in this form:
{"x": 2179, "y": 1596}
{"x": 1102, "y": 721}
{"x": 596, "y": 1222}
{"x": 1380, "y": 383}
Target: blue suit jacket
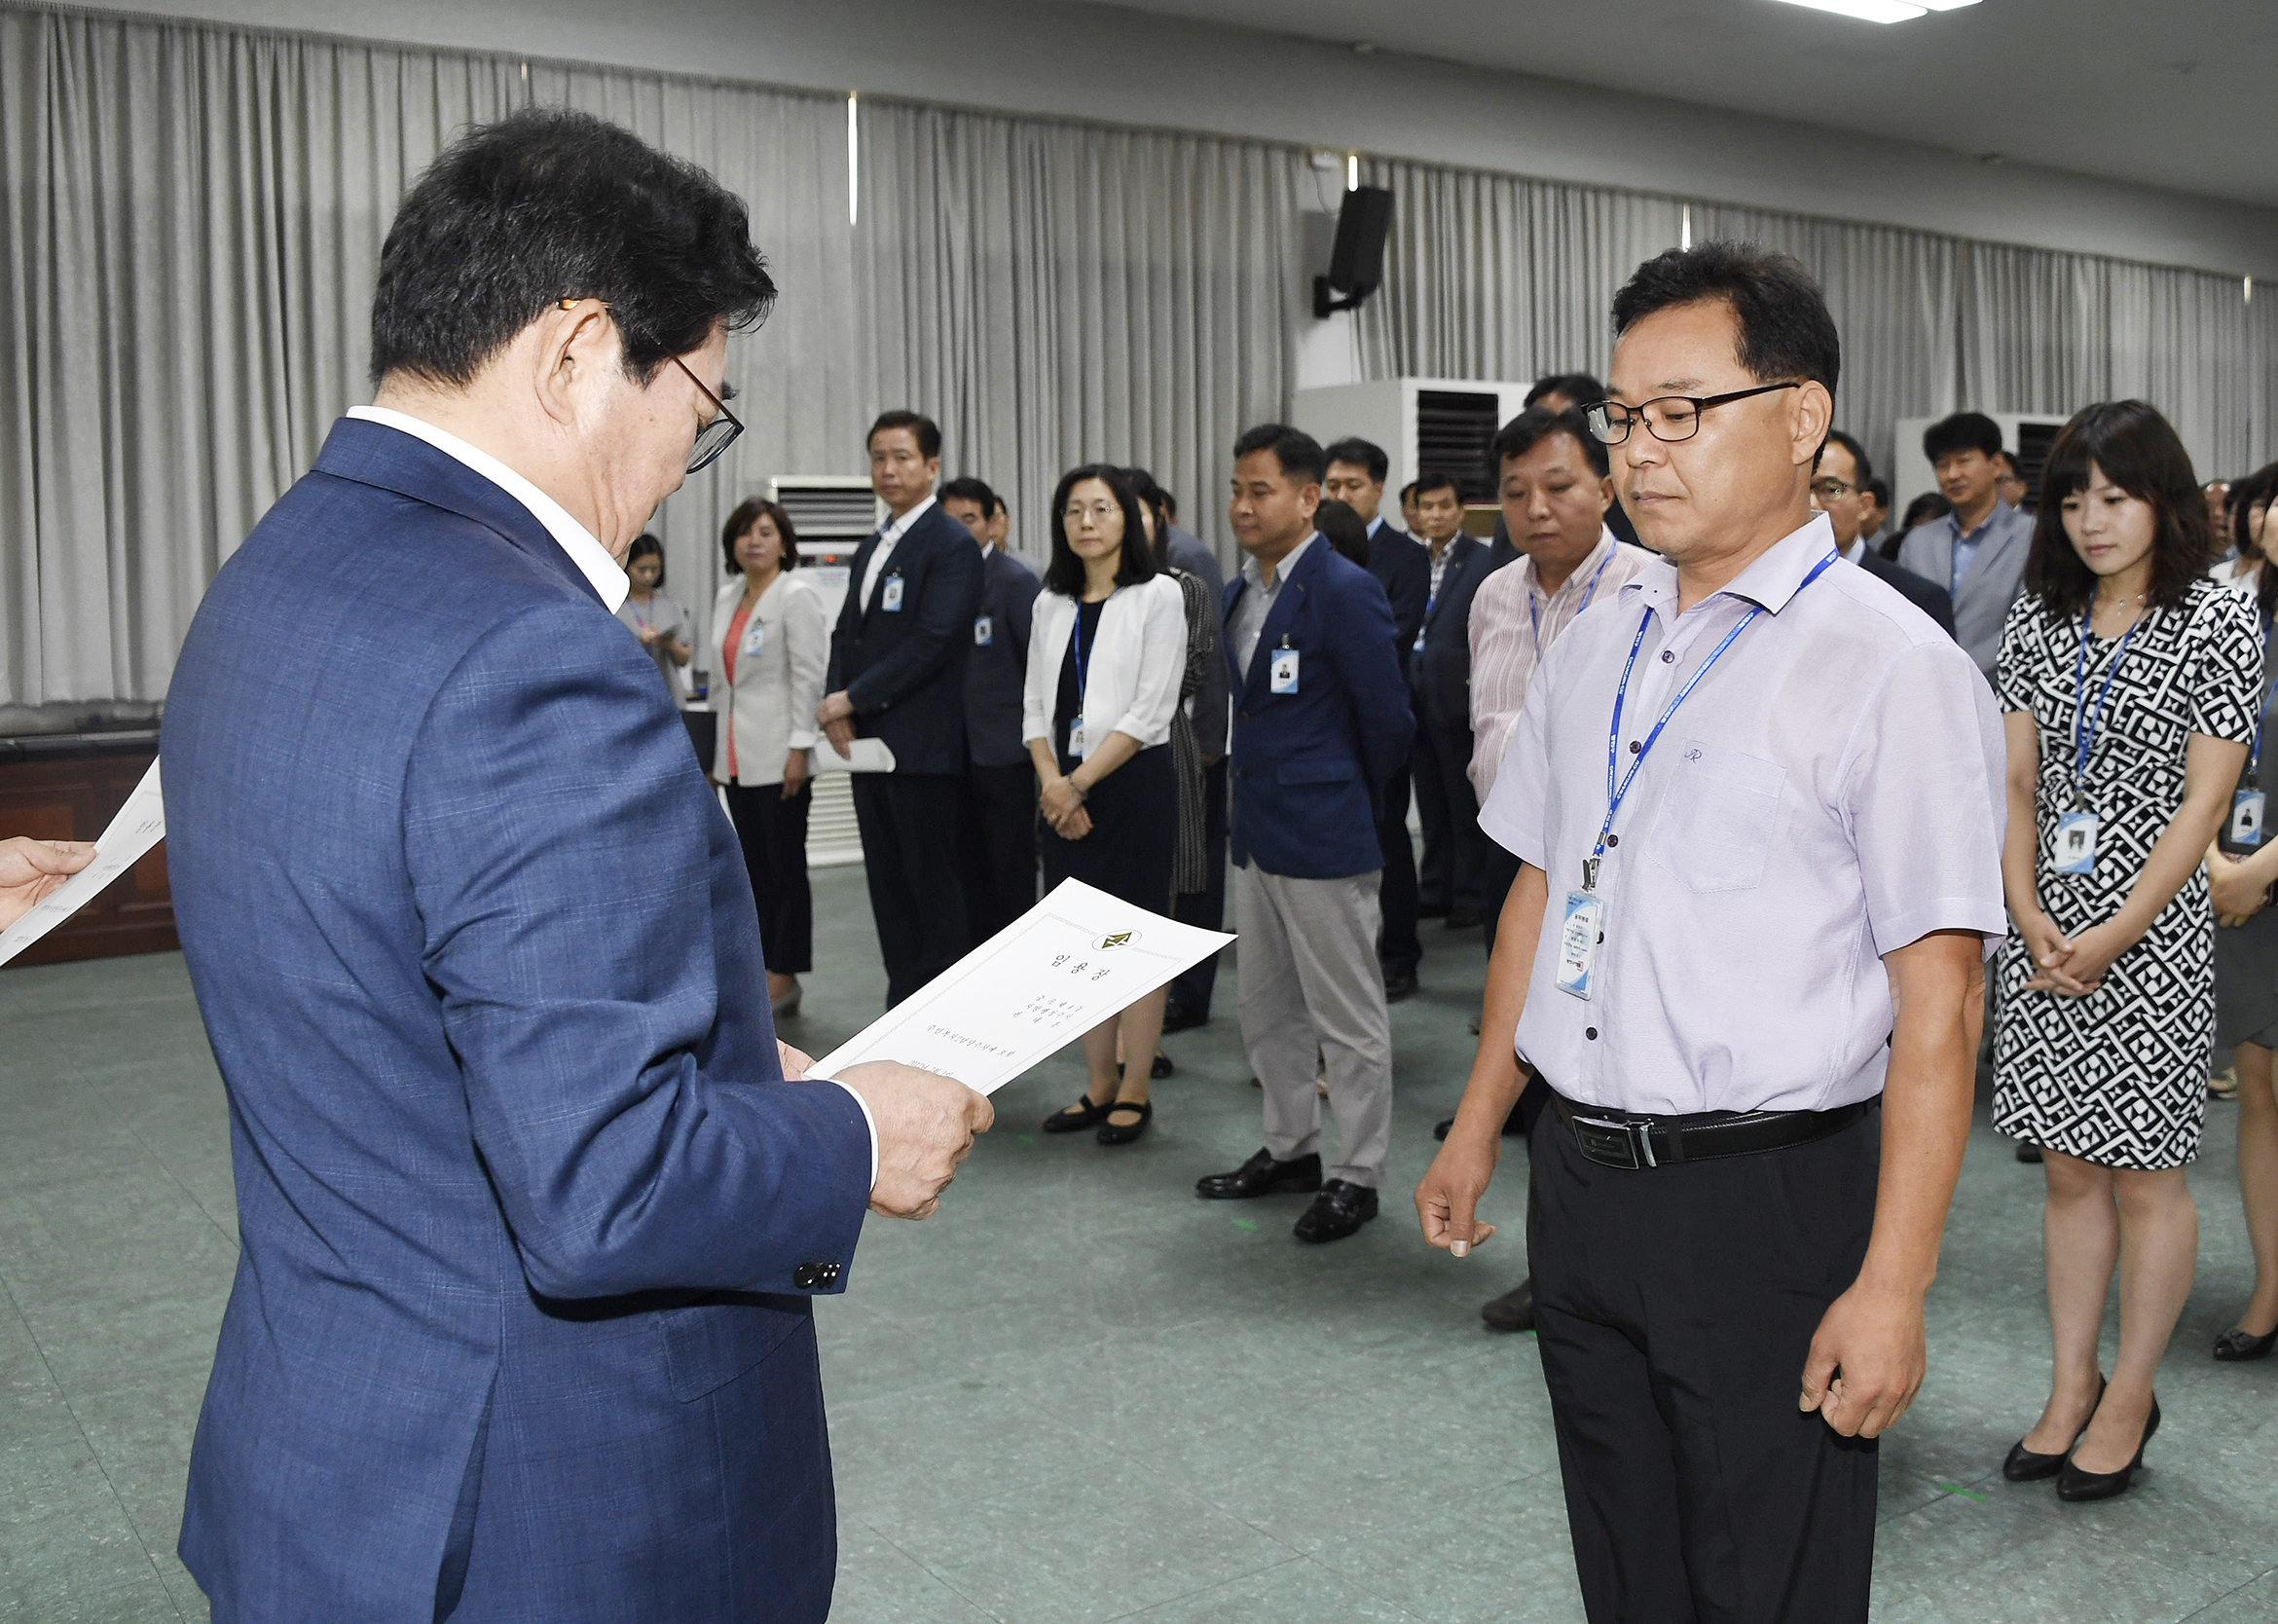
{"x": 1310, "y": 767}
{"x": 1403, "y": 568}
{"x": 904, "y": 669}
{"x": 1441, "y": 676}
{"x": 995, "y": 672}
{"x": 530, "y": 1218}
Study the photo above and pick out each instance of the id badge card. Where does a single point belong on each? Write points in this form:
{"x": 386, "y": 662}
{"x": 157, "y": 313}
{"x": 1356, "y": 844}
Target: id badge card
{"x": 984, "y": 631}
{"x": 754, "y": 638}
{"x": 2075, "y": 843}
{"x": 890, "y": 596}
{"x": 2245, "y": 818}
{"x": 1578, "y": 941}
{"x": 1284, "y": 671}
{"x": 1078, "y": 744}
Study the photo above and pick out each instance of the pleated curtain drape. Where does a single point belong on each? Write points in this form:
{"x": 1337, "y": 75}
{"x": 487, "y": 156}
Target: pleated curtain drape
{"x": 190, "y": 219}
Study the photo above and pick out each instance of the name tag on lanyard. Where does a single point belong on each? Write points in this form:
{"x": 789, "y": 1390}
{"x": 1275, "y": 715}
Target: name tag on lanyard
{"x": 1282, "y": 675}
{"x": 754, "y": 638}
{"x": 1579, "y": 935}
{"x": 890, "y": 595}
{"x": 2245, "y": 818}
{"x": 984, "y": 631}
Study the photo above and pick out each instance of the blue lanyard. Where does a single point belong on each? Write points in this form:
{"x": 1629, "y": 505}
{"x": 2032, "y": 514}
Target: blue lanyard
{"x": 1082, "y": 662}
{"x": 1534, "y": 610}
{"x": 2085, "y": 740}
{"x": 1613, "y": 738}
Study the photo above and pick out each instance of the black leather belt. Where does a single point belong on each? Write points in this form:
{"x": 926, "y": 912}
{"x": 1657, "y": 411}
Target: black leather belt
{"x": 1624, "y": 1139}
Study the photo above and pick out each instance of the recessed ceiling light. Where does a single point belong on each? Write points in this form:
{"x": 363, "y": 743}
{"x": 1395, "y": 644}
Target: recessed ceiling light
{"x": 1882, "y": 10}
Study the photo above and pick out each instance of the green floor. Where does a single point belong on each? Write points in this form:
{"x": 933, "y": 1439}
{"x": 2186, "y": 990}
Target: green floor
{"x": 1080, "y": 1394}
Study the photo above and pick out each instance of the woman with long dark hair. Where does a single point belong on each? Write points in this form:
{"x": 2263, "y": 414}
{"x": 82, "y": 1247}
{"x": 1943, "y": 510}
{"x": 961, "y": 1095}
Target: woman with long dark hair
{"x": 1107, "y": 649}
{"x": 2128, "y": 683}
{"x": 2242, "y": 867}
{"x": 660, "y": 623}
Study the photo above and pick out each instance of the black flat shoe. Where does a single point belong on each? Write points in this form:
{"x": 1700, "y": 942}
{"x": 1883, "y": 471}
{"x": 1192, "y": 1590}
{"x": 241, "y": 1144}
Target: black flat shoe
{"x": 1177, "y": 1018}
{"x": 1338, "y": 1210}
{"x": 1262, "y": 1175}
{"x": 1514, "y": 1310}
{"x": 2028, "y": 1152}
{"x": 1076, "y": 1118}
{"x": 1399, "y": 985}
{"x": 1160, "y": 1066}
{"x": 2024, "y": 1466}
{"x": 2076, "y": 1484}
{"x": 1113, "y": 1132}
{"x": 2235, "y": 1347}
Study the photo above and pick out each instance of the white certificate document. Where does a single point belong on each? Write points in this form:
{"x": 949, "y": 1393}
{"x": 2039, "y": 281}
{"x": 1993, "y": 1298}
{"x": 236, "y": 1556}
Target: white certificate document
{"x": 140, "y": 825}
{"x": 867, "y": 756}
{"x": 1033, "y": 988}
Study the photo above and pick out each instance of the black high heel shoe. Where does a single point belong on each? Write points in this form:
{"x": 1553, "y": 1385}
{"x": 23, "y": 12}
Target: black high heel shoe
{"x": 2234, "y": 1346}
{"x": 2074, "y": 1484}
{"x": 2024, "y": 1466}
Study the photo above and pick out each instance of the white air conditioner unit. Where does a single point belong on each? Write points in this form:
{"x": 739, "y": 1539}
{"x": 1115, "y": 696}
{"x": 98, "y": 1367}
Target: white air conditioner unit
{"x": 1425, "y": 425}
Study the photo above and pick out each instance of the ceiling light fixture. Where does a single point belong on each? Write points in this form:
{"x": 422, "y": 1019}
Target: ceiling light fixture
{"x": 1882, "y": 10}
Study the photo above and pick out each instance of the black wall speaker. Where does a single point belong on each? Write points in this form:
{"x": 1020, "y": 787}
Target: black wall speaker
{"x": 1356, "y": 265}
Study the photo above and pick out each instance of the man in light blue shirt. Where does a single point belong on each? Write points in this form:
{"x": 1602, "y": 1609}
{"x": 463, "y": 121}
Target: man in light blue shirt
{"x": 1977, "y": 550}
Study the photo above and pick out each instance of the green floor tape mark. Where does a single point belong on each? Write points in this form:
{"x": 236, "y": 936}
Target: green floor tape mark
{"x": 1026, "y": 1139}
{"x": 1245, "y": 1223}
{"x": 1966, "y": 1494}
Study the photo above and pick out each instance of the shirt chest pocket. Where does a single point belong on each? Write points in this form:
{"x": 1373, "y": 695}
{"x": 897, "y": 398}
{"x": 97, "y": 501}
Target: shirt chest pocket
{"x": 1718, "y": 814}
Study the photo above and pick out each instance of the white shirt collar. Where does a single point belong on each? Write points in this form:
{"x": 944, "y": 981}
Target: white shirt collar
{"x": 1257, "y": 573}
{"x": 1857, "y": 548}
{"x": 897, "y": 529}
{"x": 592, "y": 559}
{"x": 1375, "y": 525}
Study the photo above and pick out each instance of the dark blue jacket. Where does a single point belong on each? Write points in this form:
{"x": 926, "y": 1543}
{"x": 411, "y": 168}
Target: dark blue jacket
{"x": 1188, "y": 552}
{"x": 1310, "y": 767}
{"x": 903, "y": 670}
{"x": 1403, "y": 568}
{"x": 1922, "y": 593}
{"x": 995, "y": 671}
{"x": 1440, "y": 681}
{"x": 528, "y": 1218}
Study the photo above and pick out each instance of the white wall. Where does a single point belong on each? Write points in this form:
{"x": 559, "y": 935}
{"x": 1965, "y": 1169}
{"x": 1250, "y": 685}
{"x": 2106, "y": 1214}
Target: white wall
{"x": 1053, "y": 56}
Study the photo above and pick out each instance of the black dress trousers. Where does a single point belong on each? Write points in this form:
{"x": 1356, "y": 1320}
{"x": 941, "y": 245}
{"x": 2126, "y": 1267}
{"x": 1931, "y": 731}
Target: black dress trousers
{"x": 773, "y": 833}
{"x": 1448, "y": 811}
{"x": 1674, "y": 1308}
{"x": 998, "y": 829}
{"x": 908, "y": 823}
{"x": 1192, "y": 987}
{"x": 1397, "y": 948}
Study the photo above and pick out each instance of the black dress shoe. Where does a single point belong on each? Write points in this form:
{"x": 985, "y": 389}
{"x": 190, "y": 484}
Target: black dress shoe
{"x": 1160, "y": 1067}
{"x": 1513, "y": 1128}
{"x": 1076, "y": 1118}
{"x": 1431, "y": 911}
{"x": 2025, "y": 1465}
{"x": 1113, "y": 1132}
{"x": 1399, "y": 985}
{"x": 1262, "y": 1175}
{"x": 2235, "y": 1347}
{"x": 1338, "y": 1210}
{"x": 1462, "y": 918}
{"x": 1514, "y": 1310}
{"x": 2028, "y": 1152}
{"x": 1178, "y": 1018}
{"x": 2076, "y": 1484}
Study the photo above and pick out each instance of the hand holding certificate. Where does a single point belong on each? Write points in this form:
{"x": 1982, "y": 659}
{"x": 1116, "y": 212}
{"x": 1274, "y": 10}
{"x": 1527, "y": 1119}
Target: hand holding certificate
{"x": 1036, "y": 986}
{"x": 140, "y": 825}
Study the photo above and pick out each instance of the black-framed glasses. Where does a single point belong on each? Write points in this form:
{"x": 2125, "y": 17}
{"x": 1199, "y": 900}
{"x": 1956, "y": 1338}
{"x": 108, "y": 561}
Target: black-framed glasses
{"x": 1827, "y": 488}
{"x": 1670, "y": 417}
{"x": 714, "y": 435}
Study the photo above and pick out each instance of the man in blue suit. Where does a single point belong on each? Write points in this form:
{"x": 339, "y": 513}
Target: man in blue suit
{"x": 531, "y": 1217}
{"x": 997, "y": 815}
{"x": 1321, "y": 721}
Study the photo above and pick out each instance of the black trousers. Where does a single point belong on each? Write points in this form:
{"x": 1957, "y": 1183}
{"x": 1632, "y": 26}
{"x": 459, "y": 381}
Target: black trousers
{"x": 908, "y": 823}
{"x": 1192, "y": 987}
{"x": 773, "y": 833}
{"x": 1397, "y": 947}
{"x": 1498, "y": 871}
{"x": 1450, "y": 877}
{"x": 998, "y": 829}
{"x": 1673, "y": 1308}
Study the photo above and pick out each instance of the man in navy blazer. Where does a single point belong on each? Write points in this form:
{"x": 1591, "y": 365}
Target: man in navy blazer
{"x": 997, "y": 817}
{"x": 898, "y": 673}
{"x": 530, "y": 1216}
{"x": 1320, "y": 723}
{"x": 1839, "y": 490}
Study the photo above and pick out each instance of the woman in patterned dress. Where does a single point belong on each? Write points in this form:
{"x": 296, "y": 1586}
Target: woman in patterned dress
{"x": 2128, "y": 683}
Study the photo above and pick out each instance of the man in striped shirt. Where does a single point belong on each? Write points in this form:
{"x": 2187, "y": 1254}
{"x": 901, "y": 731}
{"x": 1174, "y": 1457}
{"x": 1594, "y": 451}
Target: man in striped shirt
{"x": 1552, "y": 478}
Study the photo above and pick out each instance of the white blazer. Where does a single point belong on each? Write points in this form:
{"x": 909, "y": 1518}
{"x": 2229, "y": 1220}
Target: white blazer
{"x": 1132, "y": 680}
{"x": 781, "y": 661}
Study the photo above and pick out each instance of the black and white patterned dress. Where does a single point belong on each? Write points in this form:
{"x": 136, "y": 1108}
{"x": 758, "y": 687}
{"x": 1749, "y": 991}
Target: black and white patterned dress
{"x": 2120, "y": 1077}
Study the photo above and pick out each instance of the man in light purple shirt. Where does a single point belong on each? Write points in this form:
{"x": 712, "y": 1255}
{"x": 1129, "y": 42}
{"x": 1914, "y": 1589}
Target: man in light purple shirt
{"x": 1753, "y": 983}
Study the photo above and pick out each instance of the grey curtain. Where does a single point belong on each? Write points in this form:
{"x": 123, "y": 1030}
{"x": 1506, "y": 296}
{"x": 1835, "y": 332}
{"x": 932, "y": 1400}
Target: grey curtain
{"x": 191, "y": 217}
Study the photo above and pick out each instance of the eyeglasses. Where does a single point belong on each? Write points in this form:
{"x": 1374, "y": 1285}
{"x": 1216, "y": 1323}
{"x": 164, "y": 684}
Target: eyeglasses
{"x": 1669, "y": 419}
{"x": 713, "y": 436}
{"x": 1831, "y": 489}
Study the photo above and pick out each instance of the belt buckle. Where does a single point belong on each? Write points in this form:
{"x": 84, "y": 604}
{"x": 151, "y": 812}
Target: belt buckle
{"x": 1631, "y": 1140}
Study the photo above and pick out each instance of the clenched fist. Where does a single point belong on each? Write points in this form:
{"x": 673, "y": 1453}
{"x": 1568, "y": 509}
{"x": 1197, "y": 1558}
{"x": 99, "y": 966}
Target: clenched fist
{"x": 927, "y": 1124}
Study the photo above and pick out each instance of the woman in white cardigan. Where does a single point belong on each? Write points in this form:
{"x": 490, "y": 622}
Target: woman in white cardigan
{"x": 1106, "y": 651}
{"x": 773, "y": 646}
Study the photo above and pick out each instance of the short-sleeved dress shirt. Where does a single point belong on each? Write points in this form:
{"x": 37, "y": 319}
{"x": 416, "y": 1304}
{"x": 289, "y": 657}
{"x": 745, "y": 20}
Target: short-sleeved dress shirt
{"x": 1833, "y": 790}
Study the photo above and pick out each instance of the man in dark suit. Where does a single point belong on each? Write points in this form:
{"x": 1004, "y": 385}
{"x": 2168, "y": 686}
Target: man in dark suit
{"x": 1320, "y": 723}
{"x": 530, "y": 1218}
{"x": 1839, "y": 491}
{"x": 999, "y": 810}
{"x": 1440, "y": 693}
{"x": 1356, "y": 477}
{"x": 897, "y": 662}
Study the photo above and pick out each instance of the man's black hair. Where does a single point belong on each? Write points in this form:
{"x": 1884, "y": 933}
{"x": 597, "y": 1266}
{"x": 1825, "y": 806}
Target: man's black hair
{"x": 1931, "y": 504}
{"x": 1437, "y": 480}
{"x": 1784, "y": 328}
{"x": 1579, "y": 388}
{"x": 927, "y": 430}
{"x": 966, "y": 488}
{"x": 1878, "y": 487}
{"x": 1361, "y": 453}
{"x": 1537, "y": 424}
{"x": 1297, "y": 452}
{"x": 1407, "y": 493}
{"x": 1963, "y": 431}
{"x": 551, "y": 204}
{"x": 1862, "y": 472}
{"x": 1347, "y": 532}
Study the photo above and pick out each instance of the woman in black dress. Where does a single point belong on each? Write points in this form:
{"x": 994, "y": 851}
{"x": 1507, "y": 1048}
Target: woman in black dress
{"x": 1107, "y": 651}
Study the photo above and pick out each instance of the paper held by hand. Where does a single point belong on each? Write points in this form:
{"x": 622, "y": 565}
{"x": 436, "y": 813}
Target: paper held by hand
{"x": 869, "y": 756}
{"x": 1036, "y": 986}
{"x": 140, "y": 825}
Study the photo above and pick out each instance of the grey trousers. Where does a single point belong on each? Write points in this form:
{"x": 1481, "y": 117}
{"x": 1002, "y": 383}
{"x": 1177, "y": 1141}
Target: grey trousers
{"x": 1310, "y": 982}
